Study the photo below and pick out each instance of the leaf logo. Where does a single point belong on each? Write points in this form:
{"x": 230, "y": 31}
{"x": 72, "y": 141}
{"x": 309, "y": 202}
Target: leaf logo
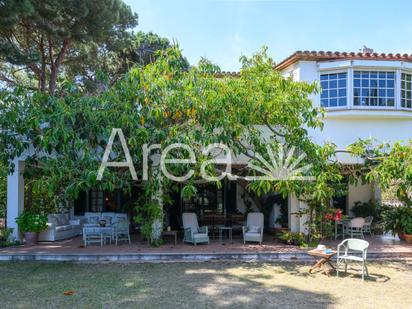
{"x": 283, "y": 165}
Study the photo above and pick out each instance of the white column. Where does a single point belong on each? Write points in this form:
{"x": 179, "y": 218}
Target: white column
{"x": 15, "y": 196}
{"x": 293, "y": 207}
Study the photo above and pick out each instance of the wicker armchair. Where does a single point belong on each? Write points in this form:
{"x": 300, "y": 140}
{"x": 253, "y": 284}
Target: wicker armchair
{"x": 192, "y": 232}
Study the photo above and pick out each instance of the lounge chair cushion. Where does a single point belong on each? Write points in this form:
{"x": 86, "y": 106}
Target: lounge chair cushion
{"x": 253, "y": 229}
{"x": 63, "y": 228}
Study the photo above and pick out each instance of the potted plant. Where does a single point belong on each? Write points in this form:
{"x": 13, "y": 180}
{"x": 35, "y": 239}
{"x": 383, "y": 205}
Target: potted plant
{"x": 406, "y": 223}
{"x": 30, "y": 224}
{"x": 398, "y": 220}
{"x": 293, "y": 238}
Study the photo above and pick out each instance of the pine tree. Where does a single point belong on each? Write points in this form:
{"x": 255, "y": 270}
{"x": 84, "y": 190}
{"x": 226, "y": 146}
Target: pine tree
{"x": 36, "y": 36}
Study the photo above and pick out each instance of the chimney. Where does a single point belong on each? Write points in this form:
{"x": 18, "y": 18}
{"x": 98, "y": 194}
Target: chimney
{"x": 366, "y": 50}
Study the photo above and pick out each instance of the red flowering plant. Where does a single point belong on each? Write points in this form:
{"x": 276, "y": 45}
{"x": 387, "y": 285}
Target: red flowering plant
{"x": 337, "y": 215}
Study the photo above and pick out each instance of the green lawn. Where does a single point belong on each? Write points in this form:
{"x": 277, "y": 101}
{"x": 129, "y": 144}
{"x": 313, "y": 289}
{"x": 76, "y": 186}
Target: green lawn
{"x": 200, "y": 285}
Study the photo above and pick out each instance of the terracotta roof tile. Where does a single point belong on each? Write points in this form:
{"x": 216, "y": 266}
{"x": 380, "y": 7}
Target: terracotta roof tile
{"x": 329, "y": 55}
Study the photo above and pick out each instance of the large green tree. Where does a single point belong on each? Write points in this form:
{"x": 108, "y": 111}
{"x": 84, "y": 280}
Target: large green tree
{"x": 36, "y": 36}
{"x": 165, "y": 102}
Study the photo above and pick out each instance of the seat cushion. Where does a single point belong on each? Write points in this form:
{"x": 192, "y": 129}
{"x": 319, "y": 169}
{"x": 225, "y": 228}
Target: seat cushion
{"x": 200, "y": 235}
{"x": 253, "y": 229}
{"x": 252, "y": 235}
{"x": 93, "y": 219}
{"x": 62, "y": 228}
{"x": 108, "y": 219}
{"x": 53, "y": 219}
{"x": 63, "y": 219}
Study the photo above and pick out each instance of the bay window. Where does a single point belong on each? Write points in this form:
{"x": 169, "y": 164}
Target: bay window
{"x": 368, "y": 89}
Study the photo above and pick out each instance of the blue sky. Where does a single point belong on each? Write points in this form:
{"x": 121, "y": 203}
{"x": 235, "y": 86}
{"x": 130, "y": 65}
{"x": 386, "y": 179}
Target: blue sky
{"x": 223, "y": 30}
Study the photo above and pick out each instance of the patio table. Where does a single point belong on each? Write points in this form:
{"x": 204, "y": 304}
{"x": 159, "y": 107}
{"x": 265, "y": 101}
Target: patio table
{"x": 170, "y": 233}
{"x": 323, "y": 261}
{"x": 342, "y": 224}
{"x": 222, "y": 230}
{"x": 97, "y": 234}
{"x": 99, "y": 226}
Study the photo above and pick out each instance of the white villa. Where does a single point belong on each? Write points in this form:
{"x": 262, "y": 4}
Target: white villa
{"x": 365, "y": 94}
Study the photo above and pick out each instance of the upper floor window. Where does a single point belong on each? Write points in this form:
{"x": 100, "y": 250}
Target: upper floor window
{"x": 373, "y": 88}
{"x": 333, "y": 89}
{"x": 406, "y": 90}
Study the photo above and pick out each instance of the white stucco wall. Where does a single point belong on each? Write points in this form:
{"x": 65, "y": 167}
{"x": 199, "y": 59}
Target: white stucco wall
{"x": 359, "y": 193}
{"x": 240, "y": 201}
{"x": 346, "y": 125}
{"x": 346, "y": 130}
{"x": 15, "y": 196}
{"x": 274, "y": 215}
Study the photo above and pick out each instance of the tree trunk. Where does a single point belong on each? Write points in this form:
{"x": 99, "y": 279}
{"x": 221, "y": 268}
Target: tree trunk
{"x": 55, "y": 66}
{"x": 29, "y": 197}
{"x": 42, "y": 75}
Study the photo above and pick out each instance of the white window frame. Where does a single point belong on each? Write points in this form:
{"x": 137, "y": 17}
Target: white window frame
{"x": 366, "y": 66}
{"x": 400, "y": 107}
{"x": 335, "y": 71}
{"x": 396, "y": 96}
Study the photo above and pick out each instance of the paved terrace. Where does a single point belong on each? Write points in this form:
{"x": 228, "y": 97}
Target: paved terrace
{"x": 381, "y": 247}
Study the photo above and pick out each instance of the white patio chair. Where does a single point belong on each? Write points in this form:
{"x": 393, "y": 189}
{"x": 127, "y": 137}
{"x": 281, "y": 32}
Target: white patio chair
{"x": 92, "y": 235}
{"x": 253, "y": 231}
{"x": 192, "y": 232}
{"x": 354, "y": 227}
{"x": 121, "y": 231}
{"x": 367, "y": 225}
{"x": 347, "y": 252}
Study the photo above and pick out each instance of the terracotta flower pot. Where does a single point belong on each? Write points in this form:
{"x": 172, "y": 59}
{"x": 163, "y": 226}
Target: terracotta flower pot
{"x": 401, "y": 235}
{"x": 408, "y": 237}
{"x": 31, "y": 238}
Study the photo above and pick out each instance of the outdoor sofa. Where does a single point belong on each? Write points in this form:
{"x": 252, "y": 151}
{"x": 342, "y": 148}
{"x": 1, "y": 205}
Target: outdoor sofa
{"x": 60, "y": 226}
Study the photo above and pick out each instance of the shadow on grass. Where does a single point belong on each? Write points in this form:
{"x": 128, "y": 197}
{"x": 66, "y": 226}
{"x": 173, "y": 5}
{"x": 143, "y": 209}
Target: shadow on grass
{"x": 228, "y": 286}
{"x": 355, "y": 272}
{"x": 402, "y": 266}
{"x": 184, "y": 285}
